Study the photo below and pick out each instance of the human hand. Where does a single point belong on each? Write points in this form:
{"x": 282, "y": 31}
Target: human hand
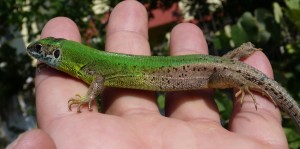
{"x": 131, "y": 118}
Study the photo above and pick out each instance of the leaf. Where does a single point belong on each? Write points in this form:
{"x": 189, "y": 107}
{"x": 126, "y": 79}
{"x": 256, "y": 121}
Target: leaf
{"x": 262, "y": 14}
{"x": 227, "y": 30}
{"x": 263, "y": 36}
{"x": 277, "y": 12}
{"x": 294, "y": 16}
{"x": 217, "y": 43}
{"x": 239, "y": 36}
{"x": 221, "y": 40}
{"x": 248, "y": 23}
{"x": 293, "y": 4}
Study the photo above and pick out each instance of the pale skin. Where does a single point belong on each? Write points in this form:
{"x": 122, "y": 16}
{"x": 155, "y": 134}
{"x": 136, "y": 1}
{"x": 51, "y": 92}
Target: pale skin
{"x": 131, "y": 118}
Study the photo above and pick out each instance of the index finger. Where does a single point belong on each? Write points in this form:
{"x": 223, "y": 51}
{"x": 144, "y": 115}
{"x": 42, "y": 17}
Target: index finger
{"x": 54, "y": 88}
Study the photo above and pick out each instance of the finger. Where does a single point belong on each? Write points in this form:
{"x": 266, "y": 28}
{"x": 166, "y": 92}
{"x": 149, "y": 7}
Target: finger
{"x": 54, "y": 88}
{"x": 192, "y": 105}
{"x": 33, "y": 139}
{"x": 127, "y": 32}
{"x": 265, "y": 122}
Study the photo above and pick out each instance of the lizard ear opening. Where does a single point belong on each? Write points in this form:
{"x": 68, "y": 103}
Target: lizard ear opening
{"x": 56, "y": 53}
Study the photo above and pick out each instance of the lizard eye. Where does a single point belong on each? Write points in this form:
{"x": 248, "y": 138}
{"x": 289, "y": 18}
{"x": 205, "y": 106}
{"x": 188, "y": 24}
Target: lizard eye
{"x": 56, "y": 53}
{"x": 38, "y": 48}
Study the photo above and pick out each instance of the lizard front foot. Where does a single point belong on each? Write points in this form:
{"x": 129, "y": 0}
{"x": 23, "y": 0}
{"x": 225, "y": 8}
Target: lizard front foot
{"x": 79, "y": 101}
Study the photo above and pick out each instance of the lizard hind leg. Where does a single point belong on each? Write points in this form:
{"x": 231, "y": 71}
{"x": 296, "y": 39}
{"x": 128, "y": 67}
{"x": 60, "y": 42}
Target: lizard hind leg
{"x": 241, "y": 93}
{"x": 227, "y": 79}
{"x": 248, "y": 89}
{"x": 266, "y": 94}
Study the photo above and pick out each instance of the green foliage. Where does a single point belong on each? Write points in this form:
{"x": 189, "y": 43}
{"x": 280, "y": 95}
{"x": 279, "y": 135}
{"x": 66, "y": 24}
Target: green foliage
{"x": 293, "y": 138}
{"x": 276, "y": 30}
{"x": 258, "y": 28}
{"x": 293, "y": 14}
{"x": 224, "y": 104}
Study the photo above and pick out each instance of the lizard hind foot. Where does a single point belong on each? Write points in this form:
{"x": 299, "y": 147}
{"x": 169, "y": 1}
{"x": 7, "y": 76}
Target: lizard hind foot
{"x": 241, "y": 93}
{"x": 79, "y": 101}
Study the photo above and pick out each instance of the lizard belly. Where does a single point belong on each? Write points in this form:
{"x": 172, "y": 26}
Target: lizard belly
{"x": 160, "y": 83}
{"x": 163, "y": 79}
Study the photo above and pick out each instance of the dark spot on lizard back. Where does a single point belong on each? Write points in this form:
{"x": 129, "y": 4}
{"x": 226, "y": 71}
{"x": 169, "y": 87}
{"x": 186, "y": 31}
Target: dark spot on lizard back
{"x": 152, "y": 79}
{"x": 291, "y": 107}
{"x": 295, "y": 114}
{"x": 260, "y": 83}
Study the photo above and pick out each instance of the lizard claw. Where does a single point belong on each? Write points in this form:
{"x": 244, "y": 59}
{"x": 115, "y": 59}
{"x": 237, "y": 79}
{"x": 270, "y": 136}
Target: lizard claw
{"x": 79, "y": 101}
{"x": 254, "y": 99}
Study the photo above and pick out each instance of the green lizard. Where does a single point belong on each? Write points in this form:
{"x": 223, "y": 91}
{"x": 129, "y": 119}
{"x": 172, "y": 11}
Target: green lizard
{"x": 159, "y": 73}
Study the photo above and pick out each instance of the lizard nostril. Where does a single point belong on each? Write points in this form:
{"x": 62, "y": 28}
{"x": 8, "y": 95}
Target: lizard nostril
{"x": 38, "y": 48}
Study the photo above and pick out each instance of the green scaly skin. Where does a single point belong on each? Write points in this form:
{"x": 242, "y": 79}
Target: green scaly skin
{"x": 159, "y": 73}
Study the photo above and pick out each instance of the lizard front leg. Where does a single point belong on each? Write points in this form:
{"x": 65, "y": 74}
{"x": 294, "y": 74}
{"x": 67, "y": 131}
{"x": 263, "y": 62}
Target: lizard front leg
{"x": 95, "y": 89}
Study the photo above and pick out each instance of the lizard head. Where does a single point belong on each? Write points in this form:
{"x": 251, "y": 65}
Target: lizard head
{"x": 46, "y": 50}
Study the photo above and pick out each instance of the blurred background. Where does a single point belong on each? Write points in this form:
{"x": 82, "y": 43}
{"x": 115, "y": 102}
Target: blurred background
{"x": 273, "y": 25}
